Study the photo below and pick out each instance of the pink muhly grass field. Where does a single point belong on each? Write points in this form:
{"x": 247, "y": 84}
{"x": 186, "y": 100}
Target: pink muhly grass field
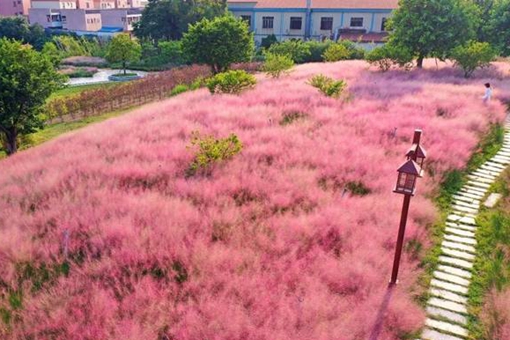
{"x": 267, "y": 247}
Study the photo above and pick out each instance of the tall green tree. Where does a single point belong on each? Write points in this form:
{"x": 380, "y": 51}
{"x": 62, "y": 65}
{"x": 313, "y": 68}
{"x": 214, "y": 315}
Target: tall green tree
{"x": 218, "y": 42}
{"x": 27, "y": 78}
{"x": 497, "y": 31}
{"x": 123, "y": 49}
{"x": 169, "y": 19}
{"x": 432, "y": 28}
{"x": 18, "y": 28}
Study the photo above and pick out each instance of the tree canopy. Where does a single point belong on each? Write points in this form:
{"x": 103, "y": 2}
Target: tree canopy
{"x": 169, "y": 19}
{"x": 218, "y": 42}
{"x": 123, "y": 49}
{"x": 18, "y": 28}
{"x": 497, "y": 30}
{"x": 27, "y": 78}
{"x": 432, "y": 28}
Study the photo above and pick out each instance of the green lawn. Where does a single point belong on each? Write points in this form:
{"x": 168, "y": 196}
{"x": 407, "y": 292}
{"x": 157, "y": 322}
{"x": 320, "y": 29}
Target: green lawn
{"x": 74, "y": 90}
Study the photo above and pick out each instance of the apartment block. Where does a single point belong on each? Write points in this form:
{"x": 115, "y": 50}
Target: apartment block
{"x": 14, "y": 7}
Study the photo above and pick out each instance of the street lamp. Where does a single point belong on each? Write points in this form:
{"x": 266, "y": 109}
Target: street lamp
{"x": 406, "y": 185}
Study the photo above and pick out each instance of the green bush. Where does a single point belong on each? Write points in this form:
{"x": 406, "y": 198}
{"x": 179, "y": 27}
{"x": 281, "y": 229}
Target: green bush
{"x": 336, "y": 52}
{"x": 473, "y": 55}
{"x": 388, "y": 56}
{"x": 317, "y": 49}
{"x": 212, "y": 150}
{"x": 355, "y": 52}
{"x": 296, "y": 49}
{"x": 171, "y": 52}
{"x": 232, "y": 82}
{"x": 328, "y": 86}
{"x": 178, "y": 89}
{"x": 276, "y": 64}
{"x": 268, "y": 41}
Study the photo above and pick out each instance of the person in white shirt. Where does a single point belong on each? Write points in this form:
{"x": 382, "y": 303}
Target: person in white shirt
{"x": 488, "y": 93}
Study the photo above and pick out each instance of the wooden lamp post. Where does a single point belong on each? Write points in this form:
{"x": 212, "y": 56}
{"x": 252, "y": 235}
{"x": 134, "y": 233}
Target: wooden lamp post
{"x": 406, "y": 185}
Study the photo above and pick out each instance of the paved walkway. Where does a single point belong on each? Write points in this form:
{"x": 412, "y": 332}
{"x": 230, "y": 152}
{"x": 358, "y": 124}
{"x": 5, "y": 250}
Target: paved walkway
{"x": 447, "y": 307}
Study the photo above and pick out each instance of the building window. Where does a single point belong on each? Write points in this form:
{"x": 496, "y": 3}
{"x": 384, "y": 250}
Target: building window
{"x": 88, "y": 5}
{"x": 64, "y": 18}
{"x": 295, "y": 23}
{"x": 326, "y": 23}
{"x": 48, "y": 18}
{"x": 383, "y": 24}
{"x": 14, "y": 3}
{"x": 267, "y": 22}
{"x": 246, "y": 19}
{"x": 356, "y": 22}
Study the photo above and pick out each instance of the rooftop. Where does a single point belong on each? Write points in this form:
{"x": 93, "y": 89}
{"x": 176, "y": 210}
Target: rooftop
{"x": 319, "y": 4}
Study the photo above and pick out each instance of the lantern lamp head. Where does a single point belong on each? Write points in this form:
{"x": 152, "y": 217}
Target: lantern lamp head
{"x": 417, "y": 153}
{"x": 407, "y": 175}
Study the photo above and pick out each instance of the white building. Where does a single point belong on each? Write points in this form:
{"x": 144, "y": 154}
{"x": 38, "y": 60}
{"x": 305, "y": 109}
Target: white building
{"x": 359, "y": 20}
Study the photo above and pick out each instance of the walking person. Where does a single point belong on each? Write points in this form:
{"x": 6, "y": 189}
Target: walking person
{"x": 488, "y": 93}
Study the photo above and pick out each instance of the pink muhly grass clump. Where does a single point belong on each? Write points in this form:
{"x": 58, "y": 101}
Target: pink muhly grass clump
{"x": 270, "y": 245}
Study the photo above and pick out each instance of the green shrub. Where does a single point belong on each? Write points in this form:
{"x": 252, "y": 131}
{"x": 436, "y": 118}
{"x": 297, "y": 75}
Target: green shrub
{"x": 328, "y": 86}
{"x": 178, "y": 89}
{"x": 317, "y": 49}
{"x": 232, "y": 82}
{"x": 336, "y": 52}
{"x": 197, "y": 83}
{"x": 295, "y": 48}
{"x": 268, "y": 41}
{"x": 276, "y": 64}
{"x": 473, "y": 55}
{"x": 82, "y": 73}
{"x": 355, "y": 52}
{"x": 357, "y": 188}
{"x": 389, "y": 55}
{"x": 211, "y": 150}
{"x": 171, "y": 52}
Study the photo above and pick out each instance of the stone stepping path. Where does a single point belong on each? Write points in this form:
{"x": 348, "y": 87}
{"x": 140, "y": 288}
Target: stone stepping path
{"x": 447, "y": 308}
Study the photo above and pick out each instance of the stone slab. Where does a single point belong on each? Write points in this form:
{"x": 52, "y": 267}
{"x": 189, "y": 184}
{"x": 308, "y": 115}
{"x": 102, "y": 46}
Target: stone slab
{"x": 481, "y": 179}
{"x": 455, "y": 271}
{"x": 469, "y": 205}
{"x": 457, "y": 289}
{"x": 481, "y": 171}
{"x": 461, "y": 226}
{"x": 447, "y": 295}
{"x": 456, "y": 262}
{"x": 463, "y": 209}
{"x": 492, "y": 200}
{"x": 446, "y": 314}
{"x": 459, "y": 232}
{"x": 447, "y": 327}
{"x": 474, "y": 190}
{"x": 501, "y": 159}
{"x": 478, "y": 174}
{"x": 471, "y": 193}
{"x": 495, "y": 165}
{"x": 458, "y": 254}
{"x": 458, "y": 246}
{"x": 466, "y": 198}
{"x": 449, "y": 305}
{"x": 451, "y": 278}
{"x": 466, "y": 240}
{"x": 467, "y": 220}
{"x": 430, "y": 334}
{"x": 478, "y": 184}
